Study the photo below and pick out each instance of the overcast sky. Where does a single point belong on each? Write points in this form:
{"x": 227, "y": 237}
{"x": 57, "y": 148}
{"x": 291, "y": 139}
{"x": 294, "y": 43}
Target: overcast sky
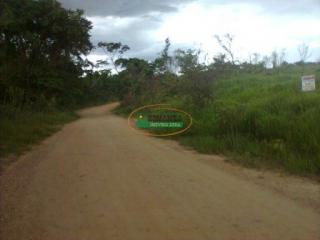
{"x": 257, "y": 25}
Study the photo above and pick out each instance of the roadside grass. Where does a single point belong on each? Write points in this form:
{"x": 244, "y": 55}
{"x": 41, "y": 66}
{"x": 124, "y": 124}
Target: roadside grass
{"x": 260, "y": 120}
{"x": 122, "y": 110}
{"x": 20, "y": 129}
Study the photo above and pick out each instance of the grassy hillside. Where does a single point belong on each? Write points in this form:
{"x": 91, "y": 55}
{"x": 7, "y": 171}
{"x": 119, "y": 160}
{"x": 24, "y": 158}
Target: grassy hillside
{"x": 261, "y": 120}
{"x": 258, "y": 119}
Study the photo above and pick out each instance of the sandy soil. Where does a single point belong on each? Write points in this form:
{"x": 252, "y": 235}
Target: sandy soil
{"x": 98, "y": 179}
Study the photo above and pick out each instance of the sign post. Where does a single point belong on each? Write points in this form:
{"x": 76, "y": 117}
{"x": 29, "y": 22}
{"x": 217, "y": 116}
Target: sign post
{"x": 308, "y": 83}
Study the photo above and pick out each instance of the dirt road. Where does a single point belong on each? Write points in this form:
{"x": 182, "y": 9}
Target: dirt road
{"x": 98, "y": 179}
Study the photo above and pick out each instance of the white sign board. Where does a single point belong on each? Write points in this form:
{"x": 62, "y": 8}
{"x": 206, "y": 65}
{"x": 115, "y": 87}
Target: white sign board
{"x": 308, "y": 83}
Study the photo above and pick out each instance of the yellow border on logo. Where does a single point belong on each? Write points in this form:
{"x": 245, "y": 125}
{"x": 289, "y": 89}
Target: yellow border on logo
{"x": 167, "y": 108}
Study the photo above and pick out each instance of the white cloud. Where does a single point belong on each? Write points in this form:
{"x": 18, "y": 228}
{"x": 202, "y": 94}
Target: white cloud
{"x": 254, "y": 29}
{"x": 258, "y": 26}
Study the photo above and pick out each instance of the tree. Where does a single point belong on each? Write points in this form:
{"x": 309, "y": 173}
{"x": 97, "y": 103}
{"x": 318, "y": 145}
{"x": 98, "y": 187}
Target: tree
{"x": 255, "y": 63}
{"x": 163, "y": 64}
{"x": 256, "y": 58}
{"x": 226, "y": 43}
{"x": 42, "y": 45}
{"x": 274, "y": 59}
{"x": 196, "y": 81}
{"x": 304, "y": 54}
{"x": 114, "y": 51}
{"x": 136, "y": 79}
{"x": 187, "y": 60}
{"x": 282, "y": 57}
{"x": 266, "y": 61}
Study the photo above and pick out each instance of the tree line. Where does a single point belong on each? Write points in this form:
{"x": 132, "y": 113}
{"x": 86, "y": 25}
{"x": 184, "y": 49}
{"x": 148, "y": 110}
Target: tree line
{"x": 42, "y": 63}
{"x": 41, "y": 51}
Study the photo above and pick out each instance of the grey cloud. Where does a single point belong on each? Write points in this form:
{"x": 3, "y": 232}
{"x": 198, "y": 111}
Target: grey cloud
{"x": 276, "y": 6}
{"x": 122, "y": 7}
{"x": 140, "y": 7}
{"x": 148, "y": 15}
{"x": 135, "y": 34}
{"x": 294, "y": 7}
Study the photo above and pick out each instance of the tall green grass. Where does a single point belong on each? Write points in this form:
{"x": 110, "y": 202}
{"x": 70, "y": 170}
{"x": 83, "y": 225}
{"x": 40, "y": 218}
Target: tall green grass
{"x": 261, "y": 120}
{"x": 19, "y": 129}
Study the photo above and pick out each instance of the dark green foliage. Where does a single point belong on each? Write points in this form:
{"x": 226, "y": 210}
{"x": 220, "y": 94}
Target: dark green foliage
{"x": 41, "y": 49}
{"x": 100, "y": 87}
{"x": 40, "y": 54}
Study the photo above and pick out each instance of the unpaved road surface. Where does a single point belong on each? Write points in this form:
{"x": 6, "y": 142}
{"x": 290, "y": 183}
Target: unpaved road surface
{"x": 98, "y": 179}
